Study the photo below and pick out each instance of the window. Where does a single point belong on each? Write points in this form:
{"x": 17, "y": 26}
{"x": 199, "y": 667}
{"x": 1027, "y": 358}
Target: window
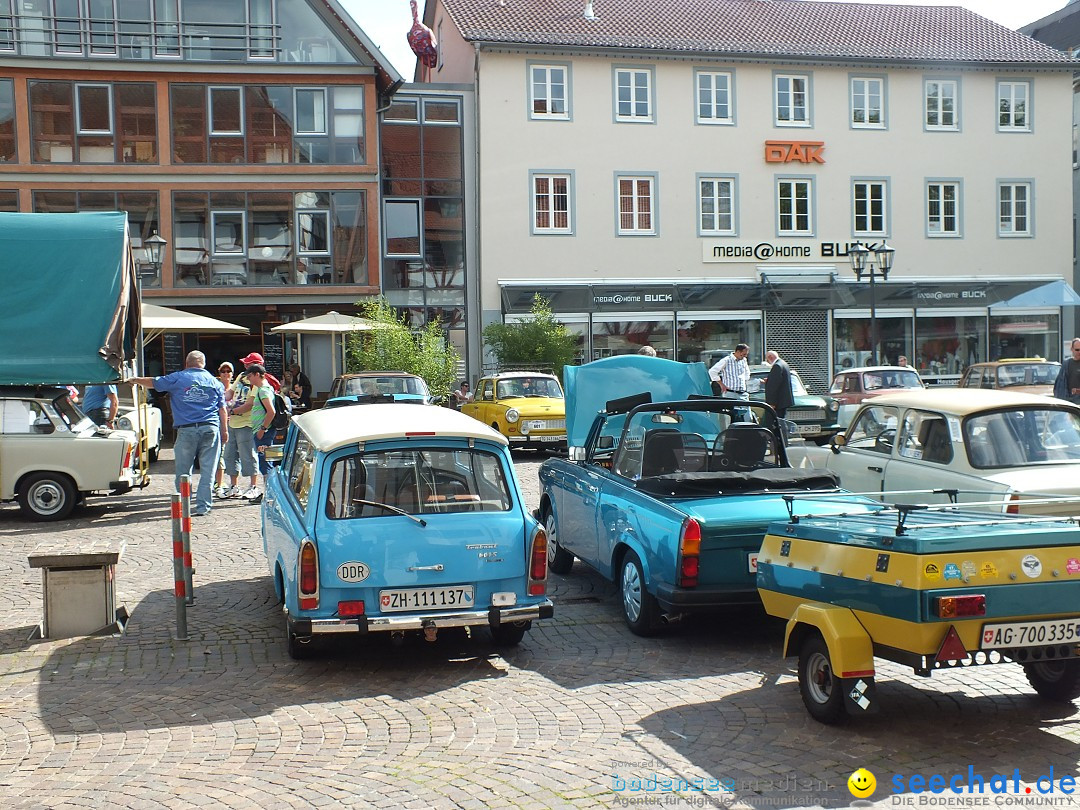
{"x": 548, "y": 92}
{"x": 348, "y": 125}
{"x": 226, "y": 111}
{"x": 714, "y": 102}
{"x": 943, "y": 209}
{"x": 1012, "y": 100}
{"x": 925, "y": 436}
{"x": 551, "y": 203}
{"x": 716, "y": 205}
{"x": 403, "y": 228}
{"x": 867, "y": 103}
{"x": 228, "y": 232}
{"x": 869, "y": 208}
{"x": 793, "y": 206}
{"x": 310, "y": 111}
{"x": 633, "y": 95}
{"x": 635, "y": 206}
{"x": 875, "y": 430}
{"x": 7, "y": 119}
{"x": 300, "y": 469}
{"x": 1014, "y": 200}
{"x": 313, "y": 233}
{"x": 7, "y": 26}
{"x": 792, "y": 100}
{"x": 941, "y": 104}
{"x": 93, "y": 109}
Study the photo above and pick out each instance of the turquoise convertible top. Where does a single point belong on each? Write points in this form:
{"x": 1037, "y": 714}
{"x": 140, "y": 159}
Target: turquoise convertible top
{"x": 71, "y": 309}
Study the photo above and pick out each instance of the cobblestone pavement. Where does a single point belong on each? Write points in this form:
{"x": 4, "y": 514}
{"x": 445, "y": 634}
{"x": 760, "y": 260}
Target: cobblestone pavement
{"x": 568, "y": 719}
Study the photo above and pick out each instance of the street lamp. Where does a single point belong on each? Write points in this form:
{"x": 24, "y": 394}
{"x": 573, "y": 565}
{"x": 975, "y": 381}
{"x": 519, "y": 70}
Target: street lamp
{"x": 872, "y": 261}
{"x": 155, "y": 251}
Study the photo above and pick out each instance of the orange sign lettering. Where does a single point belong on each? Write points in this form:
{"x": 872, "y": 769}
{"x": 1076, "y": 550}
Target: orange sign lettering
{"x": 794, "y": 151}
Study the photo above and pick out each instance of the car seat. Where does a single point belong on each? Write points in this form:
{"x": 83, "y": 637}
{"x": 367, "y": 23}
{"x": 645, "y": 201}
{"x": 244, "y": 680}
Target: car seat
{"x": 658, "y": 455}
{"x": 935, "y": 441}
{"x": 744, "y": 446}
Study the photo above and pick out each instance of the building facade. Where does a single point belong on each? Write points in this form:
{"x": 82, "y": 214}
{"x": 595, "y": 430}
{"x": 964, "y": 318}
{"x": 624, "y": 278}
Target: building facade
{"x": 244, "y": 132}
{"x": 694, "y": 182}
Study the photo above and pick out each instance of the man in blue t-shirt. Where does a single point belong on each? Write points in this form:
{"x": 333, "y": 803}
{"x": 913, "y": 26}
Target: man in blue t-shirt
{"x": 200, "y": 419}
{"x": 100, "y": 403}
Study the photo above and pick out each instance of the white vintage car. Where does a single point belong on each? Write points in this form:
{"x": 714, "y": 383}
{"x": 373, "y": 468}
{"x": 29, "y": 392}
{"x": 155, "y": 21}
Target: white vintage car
{"x": 1008, "y": 451}
{"x": 128, "y": 417}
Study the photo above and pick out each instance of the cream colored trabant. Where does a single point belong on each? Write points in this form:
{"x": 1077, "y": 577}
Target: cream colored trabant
{"x": 1002, "y": 450}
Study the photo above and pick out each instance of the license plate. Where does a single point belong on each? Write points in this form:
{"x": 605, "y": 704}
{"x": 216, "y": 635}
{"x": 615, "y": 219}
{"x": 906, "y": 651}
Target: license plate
{"x": 809, "y": 429}
{"x": 751, "y": 562}
{"x": 546, "y": 438}
{"x": 1030, "y": 634}
{"x": 449, "y": 598}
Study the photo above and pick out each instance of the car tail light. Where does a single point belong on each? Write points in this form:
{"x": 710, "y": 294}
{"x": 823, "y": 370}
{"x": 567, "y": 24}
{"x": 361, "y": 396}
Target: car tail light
{"x": 309, "y": 576}
{"x": 1013, "y": 507}
{"x": 129, "y": 458}
{"x": 689, "y": 553}
{"x": 956, "y": 607}
{"x": 350, "y": 609}
{"x": 538, "y": 564}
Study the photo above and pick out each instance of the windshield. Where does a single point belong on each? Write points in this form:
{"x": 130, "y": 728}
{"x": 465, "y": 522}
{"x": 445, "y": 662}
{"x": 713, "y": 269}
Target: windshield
{"x": 888, "y": 378}
{"x": 418, "y": 481}
{"x": 529, "y": 387}
{"x": 1022, "y": 436}
{"x": 359, "y": 386}
{"x": 1027, "y": 374}
{"x": 70, "y": 415}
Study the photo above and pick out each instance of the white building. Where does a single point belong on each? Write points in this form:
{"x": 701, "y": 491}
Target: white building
{"x": 691, "y": 173}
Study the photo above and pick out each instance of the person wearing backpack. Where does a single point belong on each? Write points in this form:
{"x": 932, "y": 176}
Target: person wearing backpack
{"x": 262, "y": 419}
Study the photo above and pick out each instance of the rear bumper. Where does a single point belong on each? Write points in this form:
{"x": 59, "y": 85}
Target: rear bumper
{"x": 492, "y": 617}
{"x": 695, "y": 599}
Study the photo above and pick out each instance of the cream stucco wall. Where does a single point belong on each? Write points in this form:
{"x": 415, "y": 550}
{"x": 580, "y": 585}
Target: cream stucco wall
{"x": 594, "y": 148}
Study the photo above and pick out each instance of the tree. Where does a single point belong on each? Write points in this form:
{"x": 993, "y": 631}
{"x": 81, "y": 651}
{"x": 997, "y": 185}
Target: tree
{"x": 540, "y": 341}
{"x": 393, "y": 346}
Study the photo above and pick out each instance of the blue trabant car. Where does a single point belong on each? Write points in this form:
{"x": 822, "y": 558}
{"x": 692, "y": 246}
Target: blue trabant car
{"x": 377, "y": 521}
{"x": 667, "y": 490}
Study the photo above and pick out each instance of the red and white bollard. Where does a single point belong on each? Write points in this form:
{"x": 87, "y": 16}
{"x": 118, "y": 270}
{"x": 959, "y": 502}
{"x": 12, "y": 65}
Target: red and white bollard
{"x": 179, "y": 585}
{"x": 185, "y": 535}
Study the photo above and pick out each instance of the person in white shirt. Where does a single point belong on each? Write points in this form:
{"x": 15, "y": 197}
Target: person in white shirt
{"x": 731, "y": 374}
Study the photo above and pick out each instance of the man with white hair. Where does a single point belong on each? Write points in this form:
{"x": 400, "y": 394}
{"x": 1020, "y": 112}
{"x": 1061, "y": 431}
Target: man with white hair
{"x": 200, "y": 419}
{"x": 778, "y": 384}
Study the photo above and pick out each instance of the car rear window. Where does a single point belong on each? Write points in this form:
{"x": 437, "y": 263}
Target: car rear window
{"x": 417, "y": 481}
{"x": 1015, "y": 438}
{"x": 385, "y": 385}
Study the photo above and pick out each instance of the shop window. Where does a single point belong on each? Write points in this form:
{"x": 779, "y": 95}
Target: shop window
{"x": 612, "y": 336}
{"x": 945, "y": 345}
{"x": 714, "y": 97}
{"x": 1030, "y": 335}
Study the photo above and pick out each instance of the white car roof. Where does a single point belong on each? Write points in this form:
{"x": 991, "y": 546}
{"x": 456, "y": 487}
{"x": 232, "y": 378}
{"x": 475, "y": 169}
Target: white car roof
{"x": 965, "y": 401}
{"x": 331, "y": 428}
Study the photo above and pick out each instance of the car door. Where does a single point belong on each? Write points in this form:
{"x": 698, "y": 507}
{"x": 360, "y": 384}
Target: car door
{"x": 868, "y": 446}
{"x": 924, "y": 457}
{"x": 285, "y": 504}
{"x": 477, "y": 409}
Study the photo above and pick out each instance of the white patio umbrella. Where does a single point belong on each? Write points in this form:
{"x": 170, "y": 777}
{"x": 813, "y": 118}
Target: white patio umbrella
{"x": 158, "y": 320}
{"x": 333, "y": 324}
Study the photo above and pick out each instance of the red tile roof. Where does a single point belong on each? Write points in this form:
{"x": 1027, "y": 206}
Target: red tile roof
{"x": 775, "y": 28}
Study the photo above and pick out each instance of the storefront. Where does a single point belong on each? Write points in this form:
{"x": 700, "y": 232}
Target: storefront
{"x": 819, "y": 321}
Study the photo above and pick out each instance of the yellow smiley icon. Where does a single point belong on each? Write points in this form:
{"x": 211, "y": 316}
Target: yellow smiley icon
{"x": 862, "y": 783}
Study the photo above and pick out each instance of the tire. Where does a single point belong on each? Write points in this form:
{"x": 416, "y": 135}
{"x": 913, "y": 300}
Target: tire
{"x": 820, "y": 688}
{"x": 1055, "y": 680}
{"x": 639, "y": 607}
{"x": 509, "y": 635}
{"x": 560, "y": 561}
{"x": 153, "y": 452}
{"x": 47, "y": 496}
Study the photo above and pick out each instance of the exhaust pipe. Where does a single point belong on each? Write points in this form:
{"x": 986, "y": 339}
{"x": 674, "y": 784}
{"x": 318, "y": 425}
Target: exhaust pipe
{"x": 397, "y": 637}
{"x": 671, "y": 618}
{"x": 430, "y": 630}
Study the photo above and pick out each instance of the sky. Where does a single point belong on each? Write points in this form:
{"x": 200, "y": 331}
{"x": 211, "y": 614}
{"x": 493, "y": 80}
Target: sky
{"x": 387, "y": 22}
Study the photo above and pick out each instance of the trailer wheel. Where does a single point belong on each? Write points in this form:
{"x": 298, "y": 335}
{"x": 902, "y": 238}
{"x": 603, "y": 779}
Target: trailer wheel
{"x": 560, "y": 561}
{"x": 1055, "y": 680}
{"x": 819, "y": 685}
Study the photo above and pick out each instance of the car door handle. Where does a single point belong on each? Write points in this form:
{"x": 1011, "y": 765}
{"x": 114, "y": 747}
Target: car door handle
{"x": 591, "y": 488}
{"x": 876, "y": 469}
{"x": 438, "y": 567}
{"x": 269, "y": 501}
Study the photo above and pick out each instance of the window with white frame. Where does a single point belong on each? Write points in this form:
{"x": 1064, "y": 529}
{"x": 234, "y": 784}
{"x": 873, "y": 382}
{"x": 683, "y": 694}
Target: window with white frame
{"x": 633, "y": 94}
{"x": 551, "y": 203}
{"x": 226, "y": 111}
{"x": 228, "y": 233}
{"x": 312, "y": 233}
{"x": 870, "y": 208}
{"x": 1013, "y": 99}
{"x": 1014, "y": 217}
{"x": 311, "y": 110}
{"x": 716, "y": 205}
{"x": 93, "y": 109}
{"x": 714, "y": 97}
{"x": 867, "y": 103}
{"x": 636, "y": 207}
{"x": 794, "y": 207}
{"x": 940, "y": 104}
{"x": 548, "y": 88}
{"x": 943, "y": 209}
{"x": 792, "y": 96}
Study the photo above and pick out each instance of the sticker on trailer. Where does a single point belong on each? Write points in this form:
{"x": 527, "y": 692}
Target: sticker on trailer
{"x": 952, "y": 571}
{"x": 933, "y": 573}
{"x": 1031, "y": 566}
{"x": 968, "y": 568}
{"x": 858, "y": 695}
{"x": 1072, "y": 565}
{"x": 988, "y": 571}
{"x": 353, "y": 571}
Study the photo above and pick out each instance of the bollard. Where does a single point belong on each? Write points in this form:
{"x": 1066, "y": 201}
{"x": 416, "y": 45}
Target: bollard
{"x": 179, "y": 587}
{"x": 185, "y": 534}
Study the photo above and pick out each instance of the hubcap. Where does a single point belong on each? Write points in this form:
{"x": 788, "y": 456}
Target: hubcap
{"x": 46, "y": 498}
{"x": 819, "y": 678}
{"x": 553, "y": 542}
{"x": 631, "y": 591}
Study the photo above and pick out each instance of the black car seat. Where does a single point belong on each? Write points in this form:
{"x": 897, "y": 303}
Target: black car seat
{"x": 744, "y": 446}
{"x": 658, "y": 454}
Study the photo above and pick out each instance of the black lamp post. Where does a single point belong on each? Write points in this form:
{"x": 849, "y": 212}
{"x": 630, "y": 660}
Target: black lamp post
{"x": 155, "y": 251}
{"x": 872, "y": 261}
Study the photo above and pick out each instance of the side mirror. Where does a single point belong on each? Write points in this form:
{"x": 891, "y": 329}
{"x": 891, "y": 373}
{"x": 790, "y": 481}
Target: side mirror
{"x": 576, "y": 453}
{"x": 838, "y": 441}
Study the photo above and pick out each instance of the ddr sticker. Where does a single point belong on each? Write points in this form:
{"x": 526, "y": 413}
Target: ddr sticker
{"x": 1072, "y": 565}
{"x": 952, "y": 571}
{"x": 932, "y": 572}
{"x": 1031, "y": 566}
{"x": 988, "y": 571}
{"x": 353, "y": 571}
{"x": 968, "y": 567}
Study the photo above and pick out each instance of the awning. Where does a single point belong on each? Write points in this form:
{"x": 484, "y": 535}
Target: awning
{"x": 1054, "y": 294}
{"x": 331, "y": 322}
{"x": 158, "y": 320}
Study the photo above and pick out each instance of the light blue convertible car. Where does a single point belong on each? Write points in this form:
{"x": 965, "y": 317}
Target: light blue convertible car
{"x": 378, "y": 520}
{"x": 667, "y": 490}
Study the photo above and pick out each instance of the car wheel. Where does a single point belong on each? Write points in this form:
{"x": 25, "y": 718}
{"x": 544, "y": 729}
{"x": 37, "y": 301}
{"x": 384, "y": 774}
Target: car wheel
{"x": 560, "y": 561}
{"x": 299, "y": 649}
{"x": 153, "y": 452}
{"x": 639, "y": 606}
{"x": 818, "y": 683}
{"x": 47, "y": 496}
{"x": 509, "y": 635}
{"x": 1055, "y": 680}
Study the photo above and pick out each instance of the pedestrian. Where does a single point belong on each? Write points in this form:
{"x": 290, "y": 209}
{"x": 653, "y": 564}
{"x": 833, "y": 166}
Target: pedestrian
{"x": 225, "y": 374}
{"x": 301, "y": 387}
{"x": 262, "y": 418}
{"x": 731, "y": 374}
{"x": 778, "y": 384}
{"x": 200, "y": 420}
{"x": 1067, "y": 384}
{"x": 100, "y": 403}
{"x": 462, "y": 394}
{"x": 901, "y": 361}
{"x": 647, "y": 350}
